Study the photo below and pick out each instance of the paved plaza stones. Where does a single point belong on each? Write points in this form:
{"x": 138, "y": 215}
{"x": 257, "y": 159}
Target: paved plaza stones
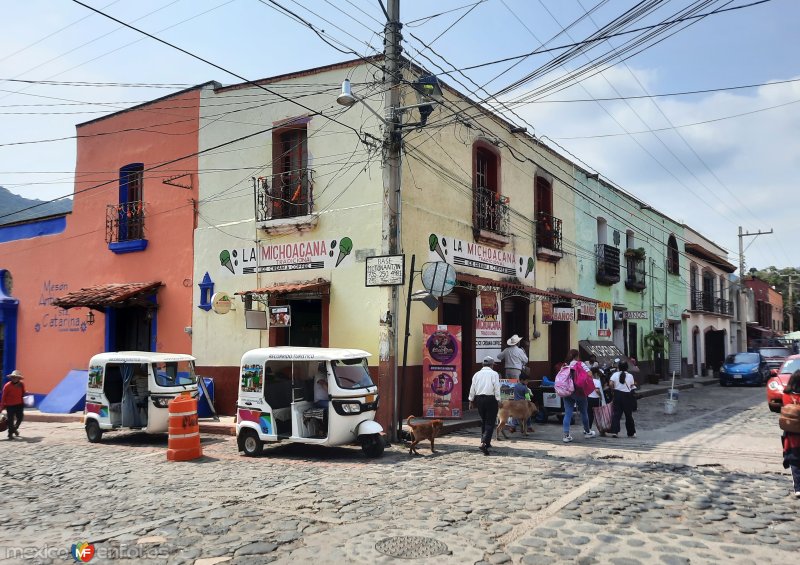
{"x": 702, "y": 486}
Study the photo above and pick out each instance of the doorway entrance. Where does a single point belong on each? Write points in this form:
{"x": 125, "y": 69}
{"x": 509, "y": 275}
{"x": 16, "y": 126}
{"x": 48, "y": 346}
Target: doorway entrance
{"x": 131, "y": 329}
{"x": 715, "y": 349}
{"x": 458, "y": 309}
{"x": 306, "y": 328}
{"x": 559, "y": 340}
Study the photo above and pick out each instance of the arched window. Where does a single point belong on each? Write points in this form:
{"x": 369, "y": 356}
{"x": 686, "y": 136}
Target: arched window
{"x": 673, "y": 259}
{"x": 602, "y": 231}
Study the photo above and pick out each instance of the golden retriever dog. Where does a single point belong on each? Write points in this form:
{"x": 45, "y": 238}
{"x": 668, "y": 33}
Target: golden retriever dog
{"x": 423, "y": 430}
{"x": 520, "y": 410}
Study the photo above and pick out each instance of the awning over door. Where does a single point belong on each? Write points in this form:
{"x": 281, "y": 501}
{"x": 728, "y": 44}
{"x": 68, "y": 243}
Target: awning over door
{"x": 318, "y": 286}
{"x": 606, "y": 352}
{"x": 112, "y": 295}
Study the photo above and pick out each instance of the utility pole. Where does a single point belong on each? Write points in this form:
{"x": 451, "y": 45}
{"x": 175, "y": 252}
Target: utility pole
{"x": 791, "y": 301}
{"x": 391, "y": 191}
{"x": 742, "y": 297}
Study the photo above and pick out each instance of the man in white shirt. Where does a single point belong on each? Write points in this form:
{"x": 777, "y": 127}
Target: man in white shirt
{"x": 485, "y": 394}
{"x": 514, "y": 358}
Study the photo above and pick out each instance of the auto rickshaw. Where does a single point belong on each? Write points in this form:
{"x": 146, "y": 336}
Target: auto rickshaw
{"x": 132, "y": 390}
{"x": 277, "y": 401}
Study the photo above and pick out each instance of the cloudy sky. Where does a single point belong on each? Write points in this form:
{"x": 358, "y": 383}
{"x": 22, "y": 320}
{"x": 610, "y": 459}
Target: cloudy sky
{"x": 715, "y": 160}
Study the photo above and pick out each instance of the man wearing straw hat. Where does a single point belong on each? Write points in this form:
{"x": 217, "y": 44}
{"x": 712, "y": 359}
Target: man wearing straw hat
{"x": 513, "y": 358}
{"x": 12, "y": 401}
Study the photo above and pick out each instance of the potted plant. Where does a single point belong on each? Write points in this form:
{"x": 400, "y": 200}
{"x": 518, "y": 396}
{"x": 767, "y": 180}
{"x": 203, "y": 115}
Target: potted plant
{"x": 656, "y": 345}
{"x": 635, "y": 253}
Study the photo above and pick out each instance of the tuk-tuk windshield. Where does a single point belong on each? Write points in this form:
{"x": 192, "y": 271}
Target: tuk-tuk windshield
{"x": 174, "y": 373}
{"x": 351, "y": 373}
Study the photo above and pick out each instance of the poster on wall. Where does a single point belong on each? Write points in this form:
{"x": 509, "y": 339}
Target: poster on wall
{"x": 547, "y": 312}
{"x": 441, "y": 371}
{"x": 280, "y": 316}
{"x": 488, "y": 326}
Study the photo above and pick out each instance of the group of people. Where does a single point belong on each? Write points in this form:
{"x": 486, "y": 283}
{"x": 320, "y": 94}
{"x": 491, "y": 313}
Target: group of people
{"x": 485, "y": 393}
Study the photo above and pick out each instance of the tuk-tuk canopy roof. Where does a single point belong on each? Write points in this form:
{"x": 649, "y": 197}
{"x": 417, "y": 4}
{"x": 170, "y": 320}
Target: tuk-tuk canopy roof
{"x": 288, "y": 353}
{"x": 139, "y": 357}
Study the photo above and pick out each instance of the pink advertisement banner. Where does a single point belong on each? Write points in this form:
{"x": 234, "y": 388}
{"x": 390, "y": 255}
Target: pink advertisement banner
{"x": 441, "y": 371}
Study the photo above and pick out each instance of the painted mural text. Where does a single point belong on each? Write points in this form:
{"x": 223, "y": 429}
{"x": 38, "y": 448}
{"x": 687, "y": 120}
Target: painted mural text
{"x": 61, "y": 320}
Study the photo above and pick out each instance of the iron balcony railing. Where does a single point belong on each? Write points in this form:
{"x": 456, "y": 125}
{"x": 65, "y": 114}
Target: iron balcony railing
{"x": 607, "y": 264}
{"x": 548, "y": 232}
{"x": 491, "y": 211}
{"x": 636, "y": 278}
{"x": 284, "y": 195}
{"x": 125, "y": 222}
{"x": 705, "y": 301}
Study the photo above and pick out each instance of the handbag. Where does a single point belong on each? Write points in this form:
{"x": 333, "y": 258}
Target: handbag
{"x": 3, "y": 423}
{"x": 789, "y": 420}
{"x": 603, "y": 414}
{"x": 583, "y": 380}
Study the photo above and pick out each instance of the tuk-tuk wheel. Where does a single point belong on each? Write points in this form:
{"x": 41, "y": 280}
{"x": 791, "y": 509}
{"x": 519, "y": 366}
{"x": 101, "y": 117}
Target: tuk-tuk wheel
{"x": 372, "y": 445}
{"x": 249, "y": 443}
{"x": 93, "y": 432}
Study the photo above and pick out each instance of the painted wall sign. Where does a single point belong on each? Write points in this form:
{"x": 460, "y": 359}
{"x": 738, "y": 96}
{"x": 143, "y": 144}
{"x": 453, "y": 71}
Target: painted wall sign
{"x": 221, "y": 302}
{"x": 603, "y": 310}
{"x": 385, "y": 270}
{"x": 588, "y": 312}
{"x": 441, "y": 371}
{"x": 54, "y": 318}
{"x": 297, "y": 256}
{"x": 488, "y": 326}
{"x": 673, "y": 312}
{"x": 481, "y": 257}
{"x": 563, "y": 314}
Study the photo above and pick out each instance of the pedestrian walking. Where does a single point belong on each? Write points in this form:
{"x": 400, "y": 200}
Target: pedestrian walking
{"x": 513, "y": 358}
{"x": 576, "y": 399}
{"x": 791, "y": 440}
{"x": 485, "y": 394}
{"x": 594, "y": 398}
{"x": 624, "y": 387}
{"x": 12, "y": 401}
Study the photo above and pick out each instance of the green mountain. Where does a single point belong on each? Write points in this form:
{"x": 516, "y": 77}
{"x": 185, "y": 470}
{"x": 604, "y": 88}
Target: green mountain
{"x": 16, "y": 208}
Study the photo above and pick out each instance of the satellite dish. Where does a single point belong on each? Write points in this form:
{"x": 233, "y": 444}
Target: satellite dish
{"x": 438, "y": 278}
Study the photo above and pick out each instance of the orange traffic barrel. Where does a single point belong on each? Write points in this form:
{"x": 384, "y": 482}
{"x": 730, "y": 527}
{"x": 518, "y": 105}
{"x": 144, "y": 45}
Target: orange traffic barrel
{"x": 184, "y": 430}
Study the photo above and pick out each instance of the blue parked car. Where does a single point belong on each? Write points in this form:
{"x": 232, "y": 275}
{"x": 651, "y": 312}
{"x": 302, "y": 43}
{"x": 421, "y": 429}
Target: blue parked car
{"x": 744, "y": 368}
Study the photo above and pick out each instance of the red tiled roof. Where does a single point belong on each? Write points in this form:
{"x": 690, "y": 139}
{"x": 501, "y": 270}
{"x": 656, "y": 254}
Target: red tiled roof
{"x": 104, "y": 295}
{"x": 483, "y": 281}
{"x": 317, "y": 285}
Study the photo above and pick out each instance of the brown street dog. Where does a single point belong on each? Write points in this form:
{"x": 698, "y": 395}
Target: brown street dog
{"x": 423, "y": 430}
{"x": 521, "y": 410}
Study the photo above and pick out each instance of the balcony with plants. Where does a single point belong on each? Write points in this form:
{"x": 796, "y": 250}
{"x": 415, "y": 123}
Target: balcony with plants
{"x": 490, "y": 217}
{"x": 548, "y": 238}
{"x": 284, "y": 202}
{"x": 636, "y": 278}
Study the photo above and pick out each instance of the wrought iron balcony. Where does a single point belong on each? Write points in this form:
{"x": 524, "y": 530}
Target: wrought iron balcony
{"x": 284, "y": 195}
{"x": 490, "y": 211}
{"x": 636, "y": 278}
{"x": 704, "y": 301}
{"x": 548, "y": 237}
{"x": 607, "y": 264}
{"x": 125, "y": 222}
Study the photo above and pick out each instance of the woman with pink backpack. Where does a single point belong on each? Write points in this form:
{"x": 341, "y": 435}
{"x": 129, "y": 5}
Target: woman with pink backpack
{"x": 573, "y": 376}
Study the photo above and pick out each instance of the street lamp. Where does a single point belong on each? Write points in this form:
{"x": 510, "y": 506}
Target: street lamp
{"x": 429, "y": 92}
{"x": 90, "y": 318}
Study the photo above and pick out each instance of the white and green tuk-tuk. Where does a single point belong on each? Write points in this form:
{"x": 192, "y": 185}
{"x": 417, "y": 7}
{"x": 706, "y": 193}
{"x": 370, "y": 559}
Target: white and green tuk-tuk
{"x": 312, "y": 395}
{"x": 132, "y": 390}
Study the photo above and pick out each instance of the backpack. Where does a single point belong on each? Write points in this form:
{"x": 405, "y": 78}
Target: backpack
{"x": 564, "y": 385}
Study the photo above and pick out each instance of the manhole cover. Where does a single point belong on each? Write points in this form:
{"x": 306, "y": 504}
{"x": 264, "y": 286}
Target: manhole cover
{"x": 411, "y": 547}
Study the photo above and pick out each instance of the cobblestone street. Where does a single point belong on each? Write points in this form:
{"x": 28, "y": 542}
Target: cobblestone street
{"x": 704, "y": 485}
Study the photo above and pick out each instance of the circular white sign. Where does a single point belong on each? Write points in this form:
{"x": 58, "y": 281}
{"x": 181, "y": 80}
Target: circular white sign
{"x": 438, "y": 278}
{"x": 221, "y": 302}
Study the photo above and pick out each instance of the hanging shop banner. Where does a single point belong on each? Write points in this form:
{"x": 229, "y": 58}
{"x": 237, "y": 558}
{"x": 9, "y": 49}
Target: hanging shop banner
{"x": 588, "y": 312}
{"x": 279, "y": 257}
{"x": 603, "y": 312}
{"x": 488, "y": 326}
{"x": 547, "y": 312}
{"x": 471, "y": 255}
{"x": 563, "y": 314}
{"x": 441, "y": 371}
{"x": 280, "y": 316}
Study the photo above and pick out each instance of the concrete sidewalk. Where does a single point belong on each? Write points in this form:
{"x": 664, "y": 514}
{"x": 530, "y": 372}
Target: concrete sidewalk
{"x": 227, "y": 424}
